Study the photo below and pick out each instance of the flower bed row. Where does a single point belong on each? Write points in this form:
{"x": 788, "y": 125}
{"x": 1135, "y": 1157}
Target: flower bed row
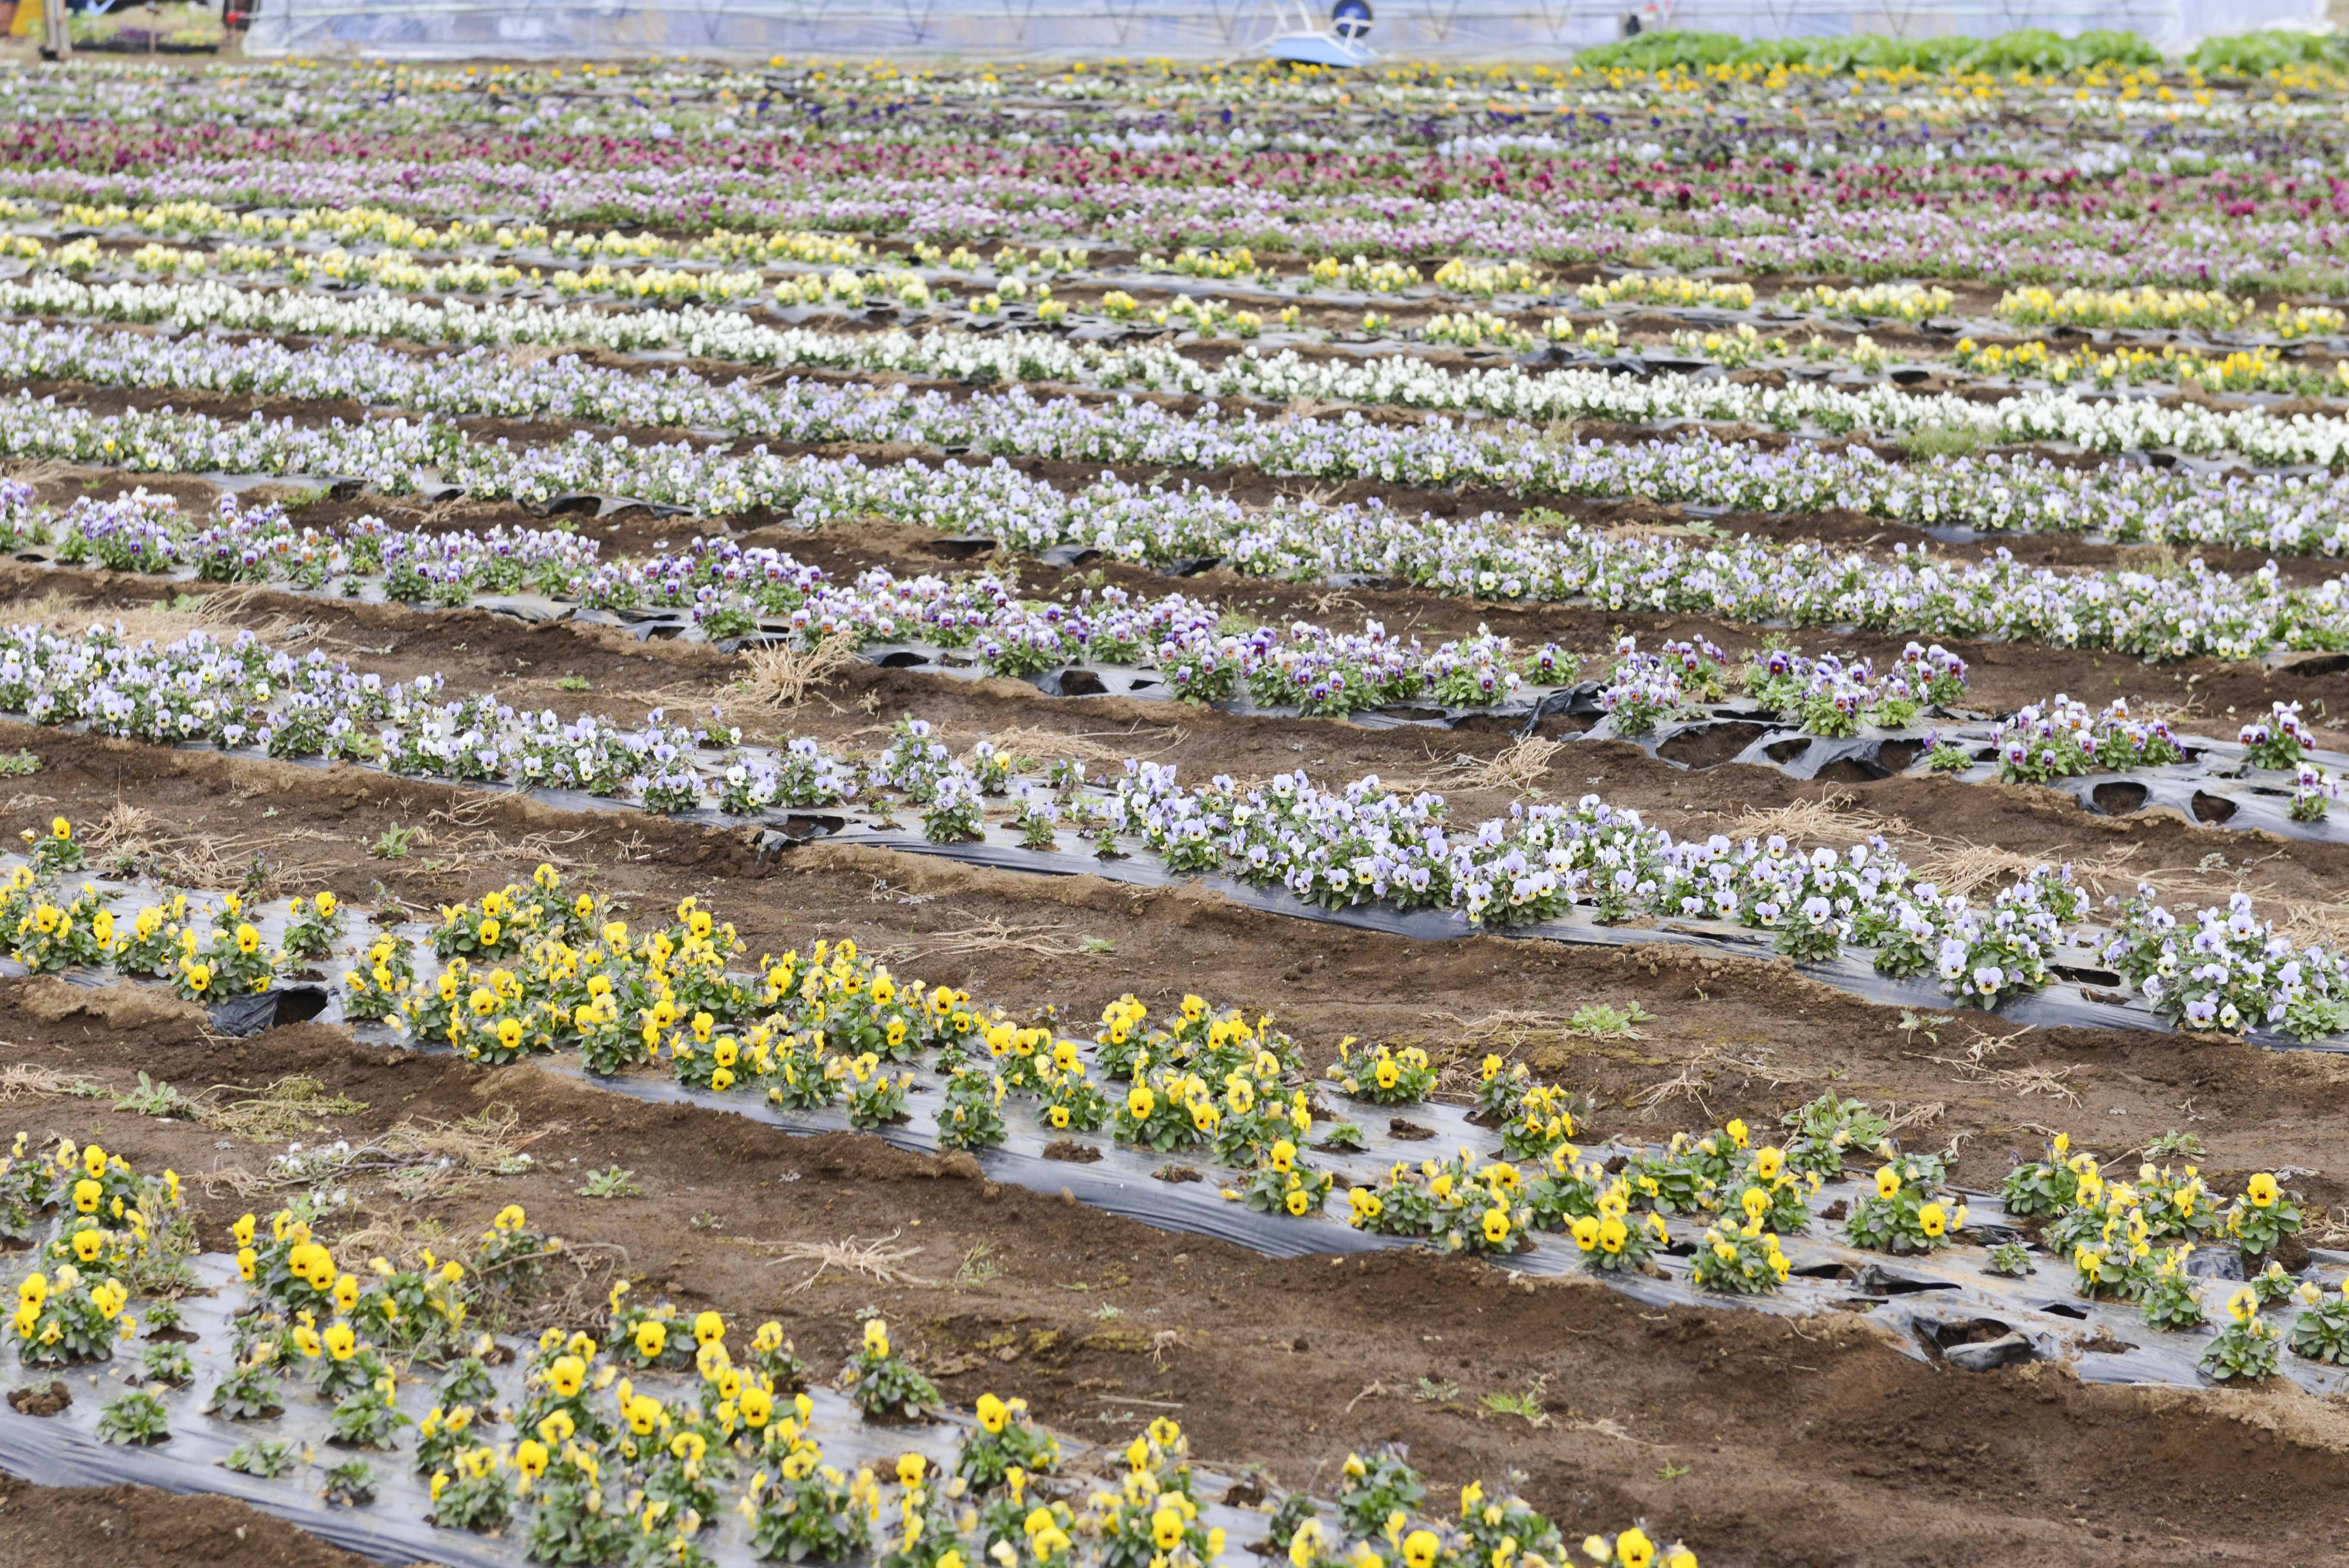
{"x": 2175, "y": 614}
{"x": 729, "y": 591}
{"x": 2256, "y": 369}
{"x": 488, "y": 255}
{"x": 2066, "y": 739}
{"x": 1788, "y": 223}
{"x": 528, "y": 969}
{"x": 395, "y": 252}
{"x": 2031, "y": 363}
{"x": 634, "y": 1432}
{"x": 1992, "y": 494}
{"x": 374, "y": 224}
{"x": 1190, "y": 648}
{"x": 1363, "y": 844}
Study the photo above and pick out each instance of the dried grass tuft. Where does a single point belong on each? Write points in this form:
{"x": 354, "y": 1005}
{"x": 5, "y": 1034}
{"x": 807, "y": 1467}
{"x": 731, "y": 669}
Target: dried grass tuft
{"x": 1686, "y": 1084}
{"x": 1637, "y": 534}
{"x": 128, "y": 836}
{"x": 1560, "y": 436}
{"x": 1332, "y": 599}
{"x": 1923, "y": 1116}
{"x": 419, "y": 1161}
{"x": 780, "y": 677}
{"x": 1508, "y": 1024}
{"x": 1516, "y": 770}
{"x": 1833, "y": 819}
{"x": 2160, "y": 559}
{"x": 1968, "y": 868}
{"x": 2326, "y": 923}
{"x": 467, "y": 838}
{"x": 23, "y": 1081}
{"x": 1750, "y": 1062}
{"x": 398, "y": 1234}
{"x": 285, "y": 1109}
{"x": 1608, "y": 1426}
{"x": 36, "y": 471}
{"x": 2039, "y": 1080}
{"x": 997, "y": 935}
{"x": 124, "y": 826}
{"x": 491, "y": 1140}
{"x": 2022, "y": 1082}
{"x": 538, "y": 353}
{"x": 875, "y": 1261}
{"x": 221, "y": 613}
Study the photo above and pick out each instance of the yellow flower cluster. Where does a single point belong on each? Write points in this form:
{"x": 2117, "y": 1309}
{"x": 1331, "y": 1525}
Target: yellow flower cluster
{"x": 1734, "y": 349}
{"x": 526, "y": 971}
{"x": 1899, "y": 301}
{"x": 1238, "y": 262}
{"x": 660, "y": 285}
{"x": 113, "y": 1220}
{"x": 2257, "y": 369}
{"x": 375, "y": 225}
{"x": 1484, "y": 280}
{"x": 841, "y": 287}
{"x": 1209, "y": 317}
{"x": 1384, "y": 1076}
{"x": 1361, "y": 275}
{"x": 1609, "y": 1232}
{"x": 2149, "y": 307}
{"x": 2114, "y": 1225}
{"x": 1646, "y": 288}
{"x": 45, "y": 935}
{"x": 1474, "y": 330}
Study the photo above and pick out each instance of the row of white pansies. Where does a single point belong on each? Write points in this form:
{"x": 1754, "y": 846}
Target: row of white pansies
{"x": 2287, "y": 514}
{"x": 1360, "y": 845}
{"x": 730, "y": 590}
{"x": 1202, "y": 650}
{"x": 490, "y": 256}
{"x": 1507, "y": 392}
{"x": 2195, "y": 611}
{"x": 1815, "y": 408}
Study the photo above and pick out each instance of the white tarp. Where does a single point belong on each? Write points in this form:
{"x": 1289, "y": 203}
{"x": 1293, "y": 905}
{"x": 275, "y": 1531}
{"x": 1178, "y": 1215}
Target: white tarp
{"x": 1518, "y": 30}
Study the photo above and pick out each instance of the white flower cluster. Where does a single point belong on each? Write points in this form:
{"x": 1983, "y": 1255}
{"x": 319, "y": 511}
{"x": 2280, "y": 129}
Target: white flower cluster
{"x": 729, "y": 590}
{"x": 1405, "y": 379}
{"x": 2228, "y": 970}
{"x": 2164, "y": 616}
{"x": 1360, "y": 845}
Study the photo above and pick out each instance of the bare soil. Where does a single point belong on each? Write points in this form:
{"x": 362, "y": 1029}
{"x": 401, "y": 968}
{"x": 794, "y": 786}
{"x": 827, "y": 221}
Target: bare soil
{"x": 73, "y": 1527}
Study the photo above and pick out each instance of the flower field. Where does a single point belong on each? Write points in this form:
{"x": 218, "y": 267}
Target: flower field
{"x": 1147, "y": 816}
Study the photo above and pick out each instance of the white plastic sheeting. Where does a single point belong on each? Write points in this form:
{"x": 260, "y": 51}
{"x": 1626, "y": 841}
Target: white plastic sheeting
{"x": 1520, "y": 30}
